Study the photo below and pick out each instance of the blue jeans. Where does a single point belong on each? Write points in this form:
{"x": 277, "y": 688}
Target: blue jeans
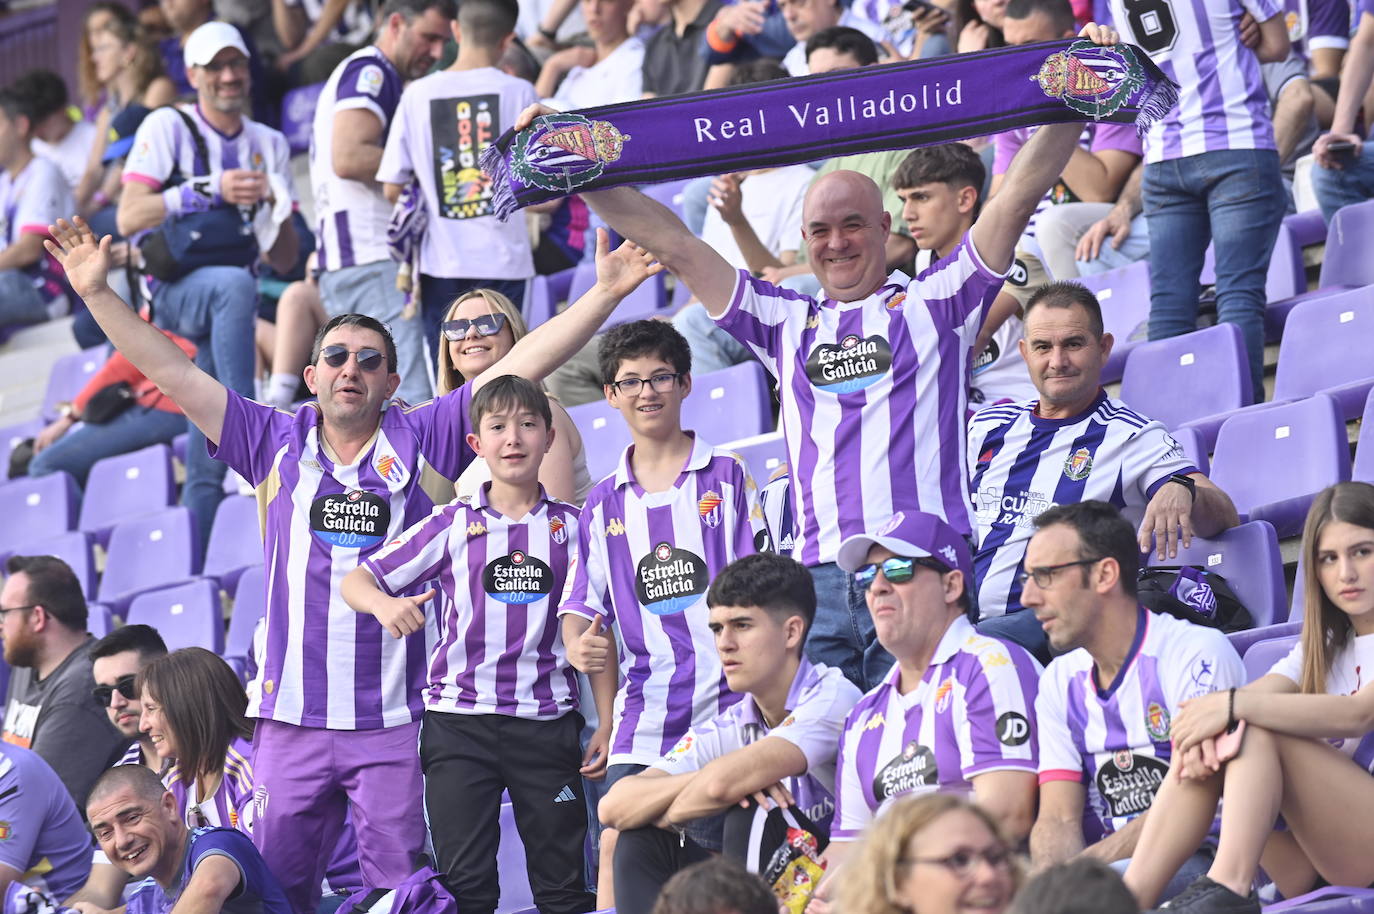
{"x": 1021, "y": 628}
{"x": 1337, "y": 187}
{"x": 1195, "y": 866}
{"x": 712, "y": 348}
{"x": 20, "y": 303}
{"x": 1234, "y": 198}
{"x": 78, "y": 450}
{"x": 370, "y": 289}
{"x": 842, "y": 634}
{"x": 438, "y": 292}
{"x": 215, "y": 308}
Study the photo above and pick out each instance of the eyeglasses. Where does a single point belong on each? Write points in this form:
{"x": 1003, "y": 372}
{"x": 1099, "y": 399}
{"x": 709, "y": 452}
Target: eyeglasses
{"x": 124, "y": 685}
{"x": 661, "y": 383}
{"x": 486, "y": 325}
{"x": 335, "y": 357}
{"x": 17, "y": 609}
{"x": 1044, "y": 575}
{"x": 238, "y": 64}
{"x": 896, "y": 569}
{"x": 963, "y": 863}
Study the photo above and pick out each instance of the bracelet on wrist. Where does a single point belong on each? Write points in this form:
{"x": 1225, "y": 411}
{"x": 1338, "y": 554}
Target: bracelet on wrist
{"x": 1231, "y": 709}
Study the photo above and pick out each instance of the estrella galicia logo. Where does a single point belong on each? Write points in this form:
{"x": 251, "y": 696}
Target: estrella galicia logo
{"x": 517, "y": 578}
{"x": 353, "y": 520}
{"x": 668, "y": 580}
{"x": 852, "y": 364}
{"x": 914, "y": 767}
{"x": 1127, "y": 782}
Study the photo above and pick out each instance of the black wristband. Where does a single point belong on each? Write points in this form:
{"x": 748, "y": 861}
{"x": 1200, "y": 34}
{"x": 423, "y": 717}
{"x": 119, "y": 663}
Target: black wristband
{"x": 550, "y": 35}
{"x": 1187, "y": 483}
{"x": 1231, "y": 710}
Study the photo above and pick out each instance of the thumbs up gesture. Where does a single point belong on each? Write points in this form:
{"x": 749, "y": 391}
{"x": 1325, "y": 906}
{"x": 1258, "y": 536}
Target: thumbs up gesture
{"x": 588, "y": 651}
{"x": 402, "y": 616}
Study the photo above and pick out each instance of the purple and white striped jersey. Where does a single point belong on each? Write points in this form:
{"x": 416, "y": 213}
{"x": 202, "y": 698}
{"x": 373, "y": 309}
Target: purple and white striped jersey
{"x": 499, "y": 649}
{"x": 1317, "y": 24}
{"x": 1022, "y": 465}
{"x": 132, "y": 756}
{"x": 1115, "y": 741}
{"x": 817, "y": 703}
{"x": 227, "y": 805}
{"x": 873, "y": 394}
{"x": 353, "y": 214}
{"x": 973, "y": 712}
{"x": 323, "y": 664}
{"x": 647, "y": 560}
{"x": 1222, "y": 103}
{"x": 1345, "y": 676}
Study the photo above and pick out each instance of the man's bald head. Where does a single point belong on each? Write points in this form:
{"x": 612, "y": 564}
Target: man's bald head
{"x": 845, "y": 228}
{"x": 139, "y": 780}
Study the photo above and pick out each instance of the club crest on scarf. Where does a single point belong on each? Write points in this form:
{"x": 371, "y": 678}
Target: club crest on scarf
{"x": 1091, "y": 79}
{"x": 565, "y": 151}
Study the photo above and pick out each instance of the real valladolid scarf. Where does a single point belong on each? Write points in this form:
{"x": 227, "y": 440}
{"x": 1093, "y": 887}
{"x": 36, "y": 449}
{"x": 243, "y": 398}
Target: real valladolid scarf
{"x": 788, "y": 121}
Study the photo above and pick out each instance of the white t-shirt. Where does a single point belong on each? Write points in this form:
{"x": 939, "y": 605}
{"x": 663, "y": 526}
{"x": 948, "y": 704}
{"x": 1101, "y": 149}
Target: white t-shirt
{"x": 772, "y": 202}
{"x": 1345, "y": 677}
{"x": 618, "y": 78}
{"x": 71, "y": 153}
{"x": 30, "y": 202}
{"x": 443, "y": 124}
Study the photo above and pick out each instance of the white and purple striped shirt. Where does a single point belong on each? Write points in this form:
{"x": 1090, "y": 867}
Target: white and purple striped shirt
{"x": 226, "y": 806}
{"x": 817, "y": 703}
{"x": 499, "y": 649}
{"x": 647, "y": 560}
{"x": 353, "y": 215}
{"x": 1222, "y": 102}
{"x": 1115, "y": 741}
{"x": 323, "y": 664}
{"x": 973, "y": 712}
{"x": 873, "y": 394}
{"x": 1023, "y": 464}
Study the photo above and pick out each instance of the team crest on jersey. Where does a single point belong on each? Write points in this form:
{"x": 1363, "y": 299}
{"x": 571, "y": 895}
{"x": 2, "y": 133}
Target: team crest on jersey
{"x": 669, "y": 580}
{"x": 517, "y": 578}
{"x": 561, "y": 152}
{"x": 558, "y": 530}
{"x": 1078, "y": 464}
{"x": 914, "y": 767}
{"x": 709, "y": 509}
{"x": 1091, "y": 79}
{"x": 895, "y": 302}
{"x": 1157, "y": 722}
{"x": 389, "y": 468}
{"x": 4, "y": 831}
{"x": 944, "y": 695}
{"x": 852, "y": 364}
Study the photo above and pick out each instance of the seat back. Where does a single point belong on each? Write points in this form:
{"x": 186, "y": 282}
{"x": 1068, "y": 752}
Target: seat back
{"x": 126, "y": 486}
{"x": 235, "y": 540}
{"x": 68, "y": 375}
{"x": 1261, "y": 656}
{"x": 1248, "y": 558}
{"x": 604, "y": 435}
{"x": 1327, "y": 342}
{"x": 250, "y": 605}
{"x": 1346, "y": 260}
{"x": 36, "y": 508}
{"x": 74, "y": 548}
{"x": 148, "y": 552}
{"x": 762, "y": 453}
{"x": 1125, "y": 298}
{"x": 730, "y": 403}
{"x": 1188, "y": 377}
{"x": 1363, "y": 468}
{"x": 186, "y": 615}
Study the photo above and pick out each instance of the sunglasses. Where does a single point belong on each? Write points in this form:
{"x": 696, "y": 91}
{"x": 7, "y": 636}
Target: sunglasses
{"x": 124, "y": 685}
{"x": 896, "y": 569}
{"x": 486, "y": 325}
{"x": 335, "y": 357}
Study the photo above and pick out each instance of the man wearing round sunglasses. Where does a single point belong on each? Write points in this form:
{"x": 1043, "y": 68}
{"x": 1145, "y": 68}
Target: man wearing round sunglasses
{"x": 956, "y": 712}
{"x": 1120, "y": 675}
{"x": 338, "y": 701}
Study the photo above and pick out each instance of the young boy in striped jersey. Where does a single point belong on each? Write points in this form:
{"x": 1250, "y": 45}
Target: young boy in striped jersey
{"x": 501, "y": 703}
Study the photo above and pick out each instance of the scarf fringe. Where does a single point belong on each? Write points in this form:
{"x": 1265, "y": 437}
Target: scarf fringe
{"x": 493, "y": 164}
{"x": 1156, "y": 105}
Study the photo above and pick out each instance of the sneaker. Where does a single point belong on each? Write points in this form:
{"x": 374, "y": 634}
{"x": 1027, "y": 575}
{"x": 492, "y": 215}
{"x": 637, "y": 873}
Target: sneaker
{"x": 1204, "y": 896}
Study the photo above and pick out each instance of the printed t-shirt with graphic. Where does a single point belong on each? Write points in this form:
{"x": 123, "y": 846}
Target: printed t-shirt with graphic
{"x": 1345, "y": 677}
{"x": 258, "y": 891}
{"x": 973, "y": 712}
{"x": 647, "y": 560}
{"x": 42, "y": 835}
{"x": 1115, "y": 741}
{"x": 30, "y": 202}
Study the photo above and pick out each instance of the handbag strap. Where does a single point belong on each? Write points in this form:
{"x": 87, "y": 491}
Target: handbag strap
{"x": 201, "y": 162}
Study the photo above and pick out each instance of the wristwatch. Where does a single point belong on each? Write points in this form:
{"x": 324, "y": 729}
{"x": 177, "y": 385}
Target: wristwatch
{"x": 66, "y": 410}
{"x": 1187, "y": 482}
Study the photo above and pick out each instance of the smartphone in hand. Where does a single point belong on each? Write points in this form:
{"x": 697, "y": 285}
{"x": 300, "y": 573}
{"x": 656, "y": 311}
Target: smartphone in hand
{"x": 1228, "y": 743}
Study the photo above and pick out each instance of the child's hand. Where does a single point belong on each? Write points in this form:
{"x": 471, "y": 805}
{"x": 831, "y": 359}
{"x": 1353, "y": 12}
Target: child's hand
{"x": 598, "y": 751}
{"x": 588, "y": 652}
{"x": 620, "y": 272}
{"x": 402, "y": 616}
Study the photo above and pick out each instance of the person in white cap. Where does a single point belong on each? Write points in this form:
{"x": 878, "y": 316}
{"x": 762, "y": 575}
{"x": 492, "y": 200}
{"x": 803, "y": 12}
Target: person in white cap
{"x": 193, "y": 159}
{"x": 955, "y": 714}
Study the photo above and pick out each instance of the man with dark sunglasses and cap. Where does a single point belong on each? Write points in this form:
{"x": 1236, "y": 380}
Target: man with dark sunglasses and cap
{"x": 956, "y": 713}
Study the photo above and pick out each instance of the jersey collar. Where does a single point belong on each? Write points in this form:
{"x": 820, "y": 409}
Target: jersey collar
{"x": 697, "y": 460}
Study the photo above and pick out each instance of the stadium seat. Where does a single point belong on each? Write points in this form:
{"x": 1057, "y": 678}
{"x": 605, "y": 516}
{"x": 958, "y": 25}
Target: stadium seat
{"x": 146, "y": 553}
{"x": 539, "y": 303}
{"x": 74, "y": 548}
{"x": 1326, "y": 346}
{"x": 1190, "y": 439}
{"x": 1261, "y": 656}
{"x": 250, "y": 605}
{"x": 1307, "y": 228}
{"x": 68, "y": 375}
{"x": 730, "y": 403}
{"x": 1125, "y": 298}
{"x": 511, "y": 867}
{"x": 126, "y": 486}
{"x": 1242, "y": 640}
{"x": 1287, "y": 275}
{"x": 235, "y": 540}
{"x": 99, "y": 620}
{"x": 669, "y": 194}
{"x": 179, "y": 447}
{"x": 298, "y": 116}
{"x": 604, "y": 436}
{"x": 1191, "y": 381}
{"x": 36, "y": 508}
{"x": 1346, "y": 263}
{"x": 645, "y": 301}
{"x": 1363, "y": 468}
{"x": 1248, "y": 558}
{"x": 11, "y": 436}
{"x": 1273, "y": 461}
{"x": 186, "y": 615}
{"x": 762, "y": 453}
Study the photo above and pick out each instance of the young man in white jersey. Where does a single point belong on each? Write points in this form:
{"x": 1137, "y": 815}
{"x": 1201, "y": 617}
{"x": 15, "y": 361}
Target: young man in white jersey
{"x": 654, "y": 533}
{"x": 247, "y": 165}
{"x": 784, "y": 733}
{"x": 1073, "y": 443}
{"x": 899, "y": 449}
{"x": 352, "y": 121}
{"x": 1106, "y": 700}
{"x": 338, "y": 702}
{"x": 501, "y": 704}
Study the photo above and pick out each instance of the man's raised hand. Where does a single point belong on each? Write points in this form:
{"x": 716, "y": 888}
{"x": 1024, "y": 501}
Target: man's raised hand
{"x": 84, "y": 257}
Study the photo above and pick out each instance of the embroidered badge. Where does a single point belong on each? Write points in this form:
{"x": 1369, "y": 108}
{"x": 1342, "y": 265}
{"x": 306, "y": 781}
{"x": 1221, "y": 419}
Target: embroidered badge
{"x": 1091, "y": 79}
{"x": 564, "y": 151}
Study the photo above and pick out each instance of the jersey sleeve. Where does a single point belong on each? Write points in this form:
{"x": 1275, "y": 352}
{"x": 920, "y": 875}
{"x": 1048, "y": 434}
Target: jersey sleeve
{"x": 1290, "y": 666}
{"x": 417, "y": 554}
{"x": 959, "y": 288}
{"x": 817, "y": 722}
{"x": 998, "y": 697}
{"x": 1060, "y": 759}
{"x": 238, "y": 848}
{"x": 852, "y": 812}
{"x": 365, "y": 84}
{"x": 45, "y": 199}
{"x": 442, "y": 425}
{"x": 757, "y": 316}
{"x": 698, "y": 746}
{"x": 152, "y": 158}
{"x": 250, "y": 437}
{"x": 23, "y": 811}
{"x": 396, "y": 166}
{"x": 1150, "y": 457}
{"x": 588, "y": 586}
{"x": 1203, "y": 662}
{"x": 1263, "y": 10}
{"x": 1005, "y": 147}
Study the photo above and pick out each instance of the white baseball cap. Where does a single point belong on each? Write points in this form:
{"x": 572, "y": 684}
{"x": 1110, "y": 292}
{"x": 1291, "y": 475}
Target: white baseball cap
{"x": 208, "y": 40}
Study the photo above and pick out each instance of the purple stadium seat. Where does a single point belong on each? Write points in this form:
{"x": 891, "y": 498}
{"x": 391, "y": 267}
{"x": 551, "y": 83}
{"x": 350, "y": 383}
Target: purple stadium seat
{"x": 69, "y": 374}
{"x": 126, "y": 486}
{"x": 179, "y": 447}
{"x": 1125, "y": 298}
{"x": 645, "y": 301}
{"x": 539, "y": 303}
{"x": 1308, "y": 228}
{"x": 1326, "y": 347}
{"x": 1273, "y": 461}
{"x": 511, "y": 867}
{"x": 1287, "y": 275}
{"x": 1295, "y": 606}
{"x": 1248, "y": 558}
{"x": 1346, "y": 263}
{"x": 235, "y": 540}
{"x": 99, "y": 620}
{"x": 36, "y": 508}
{"x": 1333, "y": 899}
{"x": 1242, "y": 640}
{"x": 1363, "y": 468}
{"x": 669, "y": 194}
{"x": 74, "y": 548}
{"x": 298, "y": 116}
{"x": 187, "y": 615}
{"x": 250, "y": 605}
{"x": 730, "y": 403}
{"x": 1261, "y": 656}
{"x": 10, "y": 436}
{"x": 1191, "y": 380}
{"x": 604, "y": 436}
{"x": 1194, "y": 448}
{"x": 156, "y": 550}
{"x": 762, "y": 453}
